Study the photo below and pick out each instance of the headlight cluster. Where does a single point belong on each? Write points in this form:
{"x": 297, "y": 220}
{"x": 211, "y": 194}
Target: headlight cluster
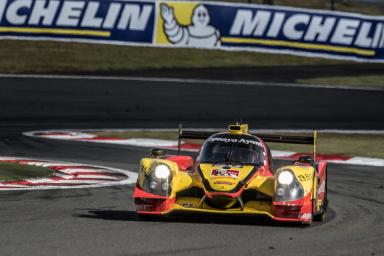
{"x": 287, "y": 187}
{"x": 158, "y": 180}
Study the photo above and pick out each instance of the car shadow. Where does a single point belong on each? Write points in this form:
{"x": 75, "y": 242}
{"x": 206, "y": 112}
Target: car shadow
{"x": 119, "y": 215}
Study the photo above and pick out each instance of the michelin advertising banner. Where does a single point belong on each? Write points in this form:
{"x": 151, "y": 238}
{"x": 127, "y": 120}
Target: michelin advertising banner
{"x": 212, "y": 25}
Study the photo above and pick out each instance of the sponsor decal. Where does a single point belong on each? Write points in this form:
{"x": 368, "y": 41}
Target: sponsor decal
{"x": 234, "y": 140}
{"x": 265, "y": 28}
{"x": 130, "y": 21}
{"x": 306, "y": 216}
{"x": 186, "y": 24}
{"x": 225, "y": 173}
{"x": 306, "y": 27}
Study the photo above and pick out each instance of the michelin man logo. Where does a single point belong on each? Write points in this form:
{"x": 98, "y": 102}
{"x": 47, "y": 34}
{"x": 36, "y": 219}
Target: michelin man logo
{"x": 198, "y": 34}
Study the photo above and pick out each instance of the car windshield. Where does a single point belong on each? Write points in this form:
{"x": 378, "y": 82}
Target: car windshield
{"x": 233, "y": 150}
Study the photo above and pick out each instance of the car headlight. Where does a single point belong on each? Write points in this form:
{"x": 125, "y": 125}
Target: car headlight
{"x": 158, "y": 180}
{"x": 162, "y": 171}
{"x": 285, "y": 177}
{"x": 287, "y": 187}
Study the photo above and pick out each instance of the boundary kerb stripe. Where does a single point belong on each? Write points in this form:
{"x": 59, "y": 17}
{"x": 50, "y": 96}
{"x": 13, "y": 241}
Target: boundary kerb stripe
{"x": 68, "y": 175}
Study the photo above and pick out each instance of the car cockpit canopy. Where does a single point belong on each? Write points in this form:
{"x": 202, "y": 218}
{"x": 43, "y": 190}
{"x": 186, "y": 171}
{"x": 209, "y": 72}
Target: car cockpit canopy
{"x": 227, "y": 148}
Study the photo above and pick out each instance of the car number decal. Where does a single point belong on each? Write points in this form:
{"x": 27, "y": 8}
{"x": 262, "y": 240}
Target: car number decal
{"x": 304, "y": 177}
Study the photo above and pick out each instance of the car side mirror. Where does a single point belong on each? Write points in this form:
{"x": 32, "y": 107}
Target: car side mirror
{"x": 158, "y": 153}
{"x": 306, "y": 160}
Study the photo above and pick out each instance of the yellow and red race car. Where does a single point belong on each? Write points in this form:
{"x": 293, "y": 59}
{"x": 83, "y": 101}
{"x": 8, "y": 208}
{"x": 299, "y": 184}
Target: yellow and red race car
{"x": 233, "y": 174}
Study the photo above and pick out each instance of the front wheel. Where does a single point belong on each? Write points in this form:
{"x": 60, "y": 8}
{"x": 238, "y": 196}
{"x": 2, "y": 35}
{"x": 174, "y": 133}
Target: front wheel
{"x": 319, "y": 217}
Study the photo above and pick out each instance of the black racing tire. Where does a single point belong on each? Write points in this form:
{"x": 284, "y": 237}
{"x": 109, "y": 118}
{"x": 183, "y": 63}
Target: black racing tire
{"x": 319, "y": 217}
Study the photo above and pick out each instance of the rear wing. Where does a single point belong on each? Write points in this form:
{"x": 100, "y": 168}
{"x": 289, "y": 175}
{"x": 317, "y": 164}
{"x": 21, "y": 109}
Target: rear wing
{"x": 288, "y": 139}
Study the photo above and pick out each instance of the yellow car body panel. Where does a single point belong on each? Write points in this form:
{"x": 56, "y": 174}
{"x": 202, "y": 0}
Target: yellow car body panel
{"x": 221, "y": 179}
{"x": 264, "y": 184}
{"x": 189, "y": 204}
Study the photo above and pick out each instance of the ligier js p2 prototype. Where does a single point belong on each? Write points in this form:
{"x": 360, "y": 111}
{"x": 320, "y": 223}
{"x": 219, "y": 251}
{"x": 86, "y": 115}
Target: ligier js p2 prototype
{"x": 233, "y": 174}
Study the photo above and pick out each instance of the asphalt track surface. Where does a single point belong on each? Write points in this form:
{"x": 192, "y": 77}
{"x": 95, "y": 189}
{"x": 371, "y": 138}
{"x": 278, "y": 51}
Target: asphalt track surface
{"x": 101, "y": 221}
{"x": 66, "y": 103}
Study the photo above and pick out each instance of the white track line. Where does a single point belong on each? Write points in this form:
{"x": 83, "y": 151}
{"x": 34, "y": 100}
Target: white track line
{"x": 190, "y": 81}
{"x": 361, "y": 161}
{"x": 84, "y": 170}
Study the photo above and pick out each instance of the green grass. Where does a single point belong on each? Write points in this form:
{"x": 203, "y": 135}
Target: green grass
{"x": 15, "y": 172}
{"x": 30, "y": 57}
{"x": 59, "y": 57}
{"x": 363, "y": 80}
{"x": 345, "y": 144}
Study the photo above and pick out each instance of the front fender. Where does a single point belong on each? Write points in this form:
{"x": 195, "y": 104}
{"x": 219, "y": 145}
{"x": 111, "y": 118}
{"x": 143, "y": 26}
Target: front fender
{"x": 180, "y": 180}
{"x": 298, "y": 208}
{"x": 305, "y": 176}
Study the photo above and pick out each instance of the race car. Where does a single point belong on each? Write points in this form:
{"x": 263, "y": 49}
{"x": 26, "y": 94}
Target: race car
{"x": 233, "y": 174}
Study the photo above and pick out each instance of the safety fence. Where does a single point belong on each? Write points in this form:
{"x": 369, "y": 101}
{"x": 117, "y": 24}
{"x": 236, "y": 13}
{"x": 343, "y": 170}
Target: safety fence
{"x": 208, "y": 25}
